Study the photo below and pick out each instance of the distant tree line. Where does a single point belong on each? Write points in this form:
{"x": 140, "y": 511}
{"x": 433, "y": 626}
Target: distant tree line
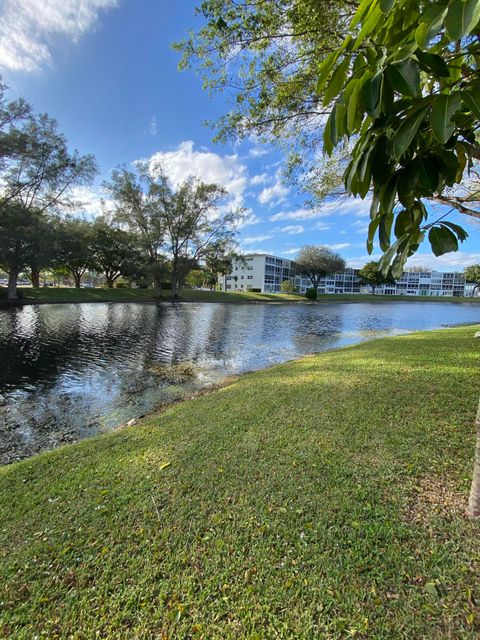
{"x": 151, "y": 233}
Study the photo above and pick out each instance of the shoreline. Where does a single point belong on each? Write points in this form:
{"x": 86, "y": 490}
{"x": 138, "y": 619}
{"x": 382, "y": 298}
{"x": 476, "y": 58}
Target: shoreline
{"x": 142, "y": 296}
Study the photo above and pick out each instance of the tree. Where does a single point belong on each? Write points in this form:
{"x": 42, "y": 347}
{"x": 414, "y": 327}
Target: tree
{"x": 287, "y": 286}
{"x": 218, "y": 260}
{"x": 114, "y": 251}
{"x": 196, "y": 278}
{"x": 316, "y": 262}
{"x": 472, "y": 274}
{"x": 24, "y": 235}
{"x": 42, "y": 174}
{"x": 371, "y": 275}
{"x": 192, "y": 222}
{"x": 12, "y": 113}
{"x": 399, "y": 80}
{"x": 139, "y": 205}
{"x": 76, "y": 252}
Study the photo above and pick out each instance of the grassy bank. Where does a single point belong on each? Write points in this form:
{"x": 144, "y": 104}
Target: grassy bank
{"x": 321, "y": 498}
{"x": 30, "y": 295}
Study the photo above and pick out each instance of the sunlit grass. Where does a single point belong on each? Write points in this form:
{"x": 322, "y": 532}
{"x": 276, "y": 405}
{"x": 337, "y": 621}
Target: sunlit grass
{"x": 321, "y": 498}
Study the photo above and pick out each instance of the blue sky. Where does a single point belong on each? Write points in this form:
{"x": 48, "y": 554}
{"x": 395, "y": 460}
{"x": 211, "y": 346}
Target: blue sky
{"x": 106, "y": 71}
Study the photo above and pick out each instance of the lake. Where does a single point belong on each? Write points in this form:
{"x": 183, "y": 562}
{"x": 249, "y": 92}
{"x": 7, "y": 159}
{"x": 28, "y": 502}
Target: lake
{"x": 69, "y": 371}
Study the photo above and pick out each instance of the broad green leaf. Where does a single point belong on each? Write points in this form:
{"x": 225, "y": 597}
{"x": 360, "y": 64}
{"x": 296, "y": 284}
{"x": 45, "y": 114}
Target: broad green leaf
{"x": 431, "y": 22}
{"x": 457, "y": 229}
{"x": 325, "y": 69}
{"x": 371, "y": 21}
{"x": 434, "y": 63}
{"x": 386, "y": 5}
{"x": 336, "y": 82}
{"x": 404, "y": 77}
{"x": 353, "y": 115}
{"x": 385, "y": 260}
{"x": 402, "y": 223}
{"x": 360, "y": 13}
{"x": 384, "y": 230}
{"x": 387, "y": 194}
{"x": 371, "y": 91}
{"x": 462, "y": 16}
{"x": 471, "y": 99}
{"x": 327, "y": 135}
{"x": 443, "y": 108}
{"x": 372, "y": 228}
{"x": 407, "y": 131}
{"x": 442, "y": 240}
{"x": 400, "y": 259}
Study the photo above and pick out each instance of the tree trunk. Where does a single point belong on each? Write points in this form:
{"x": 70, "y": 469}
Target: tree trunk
{"x": 473, "y": 510}
{"x": 157, "y": 285}
{"x": 373, "y": 289}
{"x": 174, "y": 282}
{"x": 110, "y": 282}
{"x": 12, "y": 284}
{"x": 35, "y": 277}
{"x": 78, "y": 280}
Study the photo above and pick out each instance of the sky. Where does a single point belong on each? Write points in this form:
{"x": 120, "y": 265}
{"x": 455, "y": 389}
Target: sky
{"x": 106, "y": 71}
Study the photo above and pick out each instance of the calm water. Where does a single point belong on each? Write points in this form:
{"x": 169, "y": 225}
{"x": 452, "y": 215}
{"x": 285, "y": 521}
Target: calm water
{"x": 69, "y": 371}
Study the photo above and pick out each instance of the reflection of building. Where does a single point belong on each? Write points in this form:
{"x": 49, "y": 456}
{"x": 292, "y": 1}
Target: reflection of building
{"x": 262, "y": 272}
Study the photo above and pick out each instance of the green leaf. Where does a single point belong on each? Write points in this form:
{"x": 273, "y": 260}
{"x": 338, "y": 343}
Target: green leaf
{"x": 353, "y": 116}
{"x": 325, "y": 69}
{"x": 402, "y": 223}
{"x": 434, "y": 63}
{"x": 387, "y": 194}
{"x": 327, "y": 135}
{"x": 360, "y": 13}
{"x": 407, "y": 131}
{"x": 471, "y": 99}
{"x": 372, "y": 228}
{"x": 372, "y": 20}
{"x": 371, "y": 91}
{"x": 457, "y": 229}
{"x": 336, "y": 82}
{"x": 443, "y": 108}
{"x": 442, "y": 239}
{"x": 462, "y": 16}
{"x": 384, "y": 230}
{"x": 431, "y": 22}
{"x": 386, "y": 5}
{"x": 404, "y": 77}
{"x": 385, "y": 260}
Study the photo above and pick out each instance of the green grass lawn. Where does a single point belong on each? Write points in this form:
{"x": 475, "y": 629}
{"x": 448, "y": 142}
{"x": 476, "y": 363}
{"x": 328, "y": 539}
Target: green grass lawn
{"x": 67, "y": 294}
{"x": 322, "y": 498}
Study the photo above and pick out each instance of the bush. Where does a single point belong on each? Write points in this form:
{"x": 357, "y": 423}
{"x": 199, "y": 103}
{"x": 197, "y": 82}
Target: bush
{"x": 122, "y": 285}
{"x": 311, "y": 294}
{"x": 255, "y": 290}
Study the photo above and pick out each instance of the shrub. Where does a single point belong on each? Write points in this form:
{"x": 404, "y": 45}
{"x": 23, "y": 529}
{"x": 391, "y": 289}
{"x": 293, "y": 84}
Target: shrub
{"x": 255, "y": 290}
{"x": 311, "y": 294}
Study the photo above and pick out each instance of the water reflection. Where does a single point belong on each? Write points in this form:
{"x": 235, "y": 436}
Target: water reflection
{"x": 69, "y": 371}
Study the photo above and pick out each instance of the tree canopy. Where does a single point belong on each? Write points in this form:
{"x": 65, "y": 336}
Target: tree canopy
{"x": 399, "y": 82}
{"x": 371, "y": 275}
{"x": 316, "y": 262}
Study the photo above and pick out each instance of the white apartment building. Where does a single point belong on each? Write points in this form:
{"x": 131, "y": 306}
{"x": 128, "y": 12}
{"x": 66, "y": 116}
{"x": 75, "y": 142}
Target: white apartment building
{"x": 258, "y": 272}
{"x": 265, "y": 273}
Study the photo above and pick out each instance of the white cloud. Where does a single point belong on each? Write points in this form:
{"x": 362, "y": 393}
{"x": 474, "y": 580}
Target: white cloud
{"x": 292, "y": 229}
{"x": 276, "y": 194}
{"x": 27, "y": 28}
{"x": 254, "y": 239}
{"x": 90, "y": 201}
{"x": 185, "y": 162}
{"x": 322, "y": 226}
{"x": 261, "y": 178}
{"x": 298, "y": 214}
{"x": 290, "y": 252}
{"x": 339, "y": 245}
{"x": 257, "y": 152}
{"x": 152, "y": 127}
{"x": 248, "y": 219}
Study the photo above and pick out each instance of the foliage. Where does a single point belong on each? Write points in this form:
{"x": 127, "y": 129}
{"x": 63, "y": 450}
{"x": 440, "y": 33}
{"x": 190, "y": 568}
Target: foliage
{"x": 405, "y": 86}
{"x": 196, "y": 278}
{"x": 25, "y": 240}
{"x": 316, "y": 262}
{"x": 76, "y": 248}
{"x": 371, "y": 274}
{"x": 113, "y": 251}
{"x": 266, "y": 54}
{"x": 311, "y": 293}
{"x": 385, "y": 553}
{"x": 287, "y": 286}
{"x": 400, "y": 82}
{"x": 472, "y": 274}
